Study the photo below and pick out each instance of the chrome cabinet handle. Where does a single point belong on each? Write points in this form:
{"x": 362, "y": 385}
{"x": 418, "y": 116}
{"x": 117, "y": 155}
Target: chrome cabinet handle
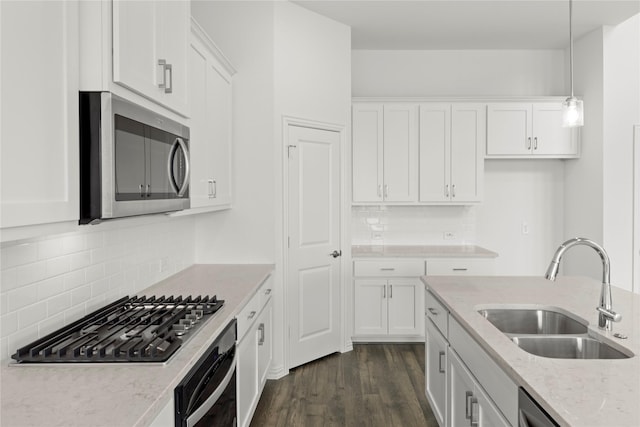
{"x": 433, "y": 311}
{"x": 529, "y": 143}
{"x": 169, "y": 88}
{"x": 379, "y": 190}
{"x": 446, "y": 191}
{"x": 141, "y": 190}
{"x": 390, "y": 291}
{"x": 386, "y": 191}
{"x": 384, "y": 292}
{"x": 210, "y": 185}
{"x": 178, "y": 143}
{"x": 453, "y": 190}
{"x": 261, "y": 330}
{"x": 251, "y": 315}
{"x": 440, "y": 368}
{"x": 467, "y": 407}
{"x": 460, "y": 269}
{"x": 163, "y": 64}
{"x": 148, "y": 190}
{"x": 535, "y": 143}
{"x": 474, "y": 420}
{"x": 215, "y": 189}
{"x": 387, "y": 269}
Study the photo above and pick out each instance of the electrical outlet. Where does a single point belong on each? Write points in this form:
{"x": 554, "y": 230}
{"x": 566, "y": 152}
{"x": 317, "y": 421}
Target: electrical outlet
{"x": 449, "y": 235}
{"x": 525, "y": 227}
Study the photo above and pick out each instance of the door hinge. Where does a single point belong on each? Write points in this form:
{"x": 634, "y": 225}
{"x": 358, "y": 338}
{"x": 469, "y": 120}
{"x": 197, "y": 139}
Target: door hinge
{"x": 289, "y": 147}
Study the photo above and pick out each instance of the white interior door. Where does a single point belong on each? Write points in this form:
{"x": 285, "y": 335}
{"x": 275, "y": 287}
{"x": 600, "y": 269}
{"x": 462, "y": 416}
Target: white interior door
{"x": 313, "y": 286}
{"x": 636, "y": 210}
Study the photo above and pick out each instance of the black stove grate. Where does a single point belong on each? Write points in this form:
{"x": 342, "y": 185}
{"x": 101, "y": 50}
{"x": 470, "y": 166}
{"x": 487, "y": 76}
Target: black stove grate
{"x": 136, "y": 329}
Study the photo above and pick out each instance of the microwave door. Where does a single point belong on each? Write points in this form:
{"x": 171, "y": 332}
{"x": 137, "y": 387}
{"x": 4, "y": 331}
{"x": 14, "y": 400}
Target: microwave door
{"x": 159, "y": 144}
{"x": 130, "y": 154}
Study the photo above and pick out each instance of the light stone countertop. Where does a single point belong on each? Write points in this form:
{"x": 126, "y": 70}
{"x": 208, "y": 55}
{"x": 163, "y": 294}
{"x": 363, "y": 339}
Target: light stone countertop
{"x": 421, "y": 251}
{"x": 582, "y": 393}
{"x": 125, "y": 395}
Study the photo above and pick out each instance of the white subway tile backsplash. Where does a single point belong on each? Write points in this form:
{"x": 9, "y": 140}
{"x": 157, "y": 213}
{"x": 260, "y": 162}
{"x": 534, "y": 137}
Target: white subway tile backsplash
{"x": 49, "y": 248}
{"x": 55, "y": 280}
{"x": 32, "y": 314}
{"x": 58, "y": 304}
{"x": 50, "y": 287}
{"x": 13, "y": 256}
{"x": 22, "y": 297}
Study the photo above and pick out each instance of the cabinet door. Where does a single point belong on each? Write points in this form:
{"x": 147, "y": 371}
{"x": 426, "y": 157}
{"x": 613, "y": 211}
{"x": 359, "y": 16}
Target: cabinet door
{"x": 135, "y": 47}
{"x": 509, "y": 129}
{"x": 265, "y": 343}
{"x": 173, "y": 46}
{"x": 462, "y": 392}
{"x": 219, "y": 119}
{"x": 487, "y": 414}
{"x": 39, "y": 112}
{"x": 400, "y": 169}
{"x": 435, "y": 135}
{"x": 367, "y": 134}
{"x": 247, "y": 376}
{"x": 436, "y": 372}
{"x": 549, "y": 137}
{"x": 467, "y": 152}
{"x": 370, "y": 308}
{"x": 405, "y": 306}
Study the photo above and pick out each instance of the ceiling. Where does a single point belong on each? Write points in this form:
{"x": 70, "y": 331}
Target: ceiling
{"x": 470, "y": 24}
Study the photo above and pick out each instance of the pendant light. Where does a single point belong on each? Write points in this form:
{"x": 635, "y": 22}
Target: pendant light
{"x": 572, "y": 108}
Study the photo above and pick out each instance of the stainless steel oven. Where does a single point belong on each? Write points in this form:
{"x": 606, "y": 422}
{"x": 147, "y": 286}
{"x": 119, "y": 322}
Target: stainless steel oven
{"x": 530, "y": 414}
{"x": 133, "y": 161}
{"x": 207, "y": 394}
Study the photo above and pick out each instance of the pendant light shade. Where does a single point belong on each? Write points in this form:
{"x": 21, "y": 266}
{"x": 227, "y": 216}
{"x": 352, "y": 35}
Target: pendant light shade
{"x": 572, "y": 108}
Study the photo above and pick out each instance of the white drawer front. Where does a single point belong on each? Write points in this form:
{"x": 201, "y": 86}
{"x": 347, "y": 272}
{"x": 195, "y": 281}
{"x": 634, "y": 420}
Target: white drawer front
{"x": 389, "y": 268}
{"x": 248, "y": 315}
{"x": 462, "y": 266}
{"x": 437, "y": 313}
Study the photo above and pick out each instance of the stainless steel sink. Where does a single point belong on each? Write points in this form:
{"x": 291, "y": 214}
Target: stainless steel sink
{"x": 532, "y": 321}
{"x": 560, "y": 347}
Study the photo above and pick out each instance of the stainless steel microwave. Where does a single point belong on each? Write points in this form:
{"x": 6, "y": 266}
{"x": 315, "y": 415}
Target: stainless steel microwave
{"x": 132, "y": 161}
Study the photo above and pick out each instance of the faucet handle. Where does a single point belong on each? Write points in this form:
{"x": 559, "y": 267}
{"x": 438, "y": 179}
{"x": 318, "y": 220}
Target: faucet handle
{"x": 610, "y": 314}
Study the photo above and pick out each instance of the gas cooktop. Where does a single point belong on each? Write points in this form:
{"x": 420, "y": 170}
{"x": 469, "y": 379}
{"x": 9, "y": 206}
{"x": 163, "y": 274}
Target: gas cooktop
{"x": 136, "y": 329}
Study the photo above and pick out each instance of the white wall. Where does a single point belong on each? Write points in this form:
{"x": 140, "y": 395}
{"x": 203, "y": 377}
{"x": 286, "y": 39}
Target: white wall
{"x": 289, "y": 61}
{"x": 457, "y": 72}
{"x": 599, "y": 187}
{"x": 244, "y": 32}
{"x": 516, "y": 191}
{"x": 51, "y": 281}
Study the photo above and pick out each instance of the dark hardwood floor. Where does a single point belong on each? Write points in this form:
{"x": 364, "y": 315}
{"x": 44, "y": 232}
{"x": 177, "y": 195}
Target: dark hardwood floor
{"x": 373, "y": 385}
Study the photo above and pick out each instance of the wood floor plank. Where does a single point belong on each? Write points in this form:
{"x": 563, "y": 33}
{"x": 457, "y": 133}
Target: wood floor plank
{"x": 373, "y": 385}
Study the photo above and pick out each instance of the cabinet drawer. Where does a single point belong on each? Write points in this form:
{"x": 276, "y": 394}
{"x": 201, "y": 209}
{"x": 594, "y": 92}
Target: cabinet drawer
{"x": 386, "y": 268}
{"x": 463, "y": 266}
{"x": 437, "y": 313}
{"x": 248, "y": 315}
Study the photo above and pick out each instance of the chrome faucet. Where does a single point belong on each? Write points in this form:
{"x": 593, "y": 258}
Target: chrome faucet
{"x": 605, "y": 313}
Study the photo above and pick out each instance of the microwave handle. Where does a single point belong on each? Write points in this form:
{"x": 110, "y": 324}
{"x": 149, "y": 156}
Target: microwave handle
{"x": 179, "y": 142}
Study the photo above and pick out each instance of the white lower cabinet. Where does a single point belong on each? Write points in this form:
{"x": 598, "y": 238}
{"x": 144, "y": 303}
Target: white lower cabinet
{"x": 436, "y": 349}
{"x": 468, "y": 403}
{"x": 255, "y": 346}
{"x": 388, "y": 308}
{"x": 464, "y": 386}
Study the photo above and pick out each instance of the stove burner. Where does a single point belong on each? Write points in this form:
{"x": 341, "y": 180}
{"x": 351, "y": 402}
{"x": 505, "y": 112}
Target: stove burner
{"x": 136, "y": 329}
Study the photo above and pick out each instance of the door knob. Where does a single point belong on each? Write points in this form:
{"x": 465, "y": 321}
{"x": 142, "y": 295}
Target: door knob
{"x": 336, "y": 254}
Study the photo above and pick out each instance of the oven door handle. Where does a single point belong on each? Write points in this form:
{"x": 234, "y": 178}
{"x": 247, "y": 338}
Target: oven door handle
{"x": 211, "y": 400}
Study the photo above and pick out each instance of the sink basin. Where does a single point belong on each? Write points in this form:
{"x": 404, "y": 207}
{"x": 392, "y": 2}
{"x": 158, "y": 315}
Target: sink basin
{"x": 532, "y": 321}
{"x": 559, "y": 347}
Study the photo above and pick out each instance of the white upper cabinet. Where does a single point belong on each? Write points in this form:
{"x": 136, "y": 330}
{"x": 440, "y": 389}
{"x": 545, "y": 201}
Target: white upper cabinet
{"x": 150, "y": 50}
{"x": 385, "y": 150}
{"x": 529, "y": 129}
{"x": 210, "y": 94}
{"x": 39, "y": 112}
{"x": 452, "y": 140}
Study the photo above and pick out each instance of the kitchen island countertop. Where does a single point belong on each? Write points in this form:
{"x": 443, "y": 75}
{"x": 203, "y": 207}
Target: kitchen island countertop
{"x": 582, "y": 392}
{"x": 125, "y": 395}
{"x": 421, "y": 251}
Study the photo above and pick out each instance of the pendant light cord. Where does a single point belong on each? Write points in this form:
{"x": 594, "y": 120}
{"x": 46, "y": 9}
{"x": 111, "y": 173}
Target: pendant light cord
{"x": 571, "y": 45}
